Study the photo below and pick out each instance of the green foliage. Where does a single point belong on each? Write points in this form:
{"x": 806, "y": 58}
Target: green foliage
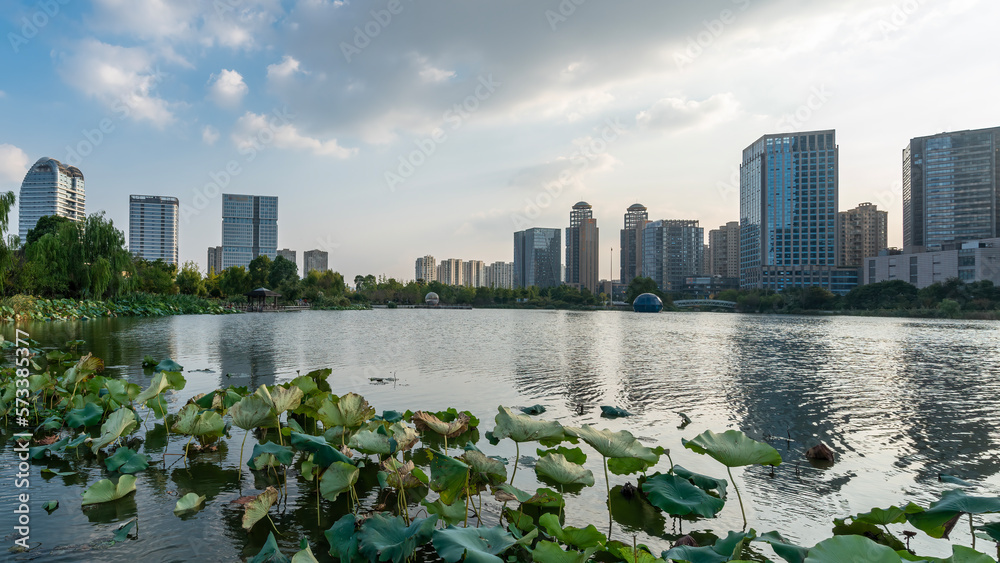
{"x": 678, "y": 497}
{"x": 106, "y": 491}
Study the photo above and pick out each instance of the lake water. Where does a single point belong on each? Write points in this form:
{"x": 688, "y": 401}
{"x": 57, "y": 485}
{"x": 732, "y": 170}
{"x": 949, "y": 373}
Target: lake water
{"x": 900, "y": 401}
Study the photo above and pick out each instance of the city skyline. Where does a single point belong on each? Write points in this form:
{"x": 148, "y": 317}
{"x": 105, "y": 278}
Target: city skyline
{"x": 608, "y": 105}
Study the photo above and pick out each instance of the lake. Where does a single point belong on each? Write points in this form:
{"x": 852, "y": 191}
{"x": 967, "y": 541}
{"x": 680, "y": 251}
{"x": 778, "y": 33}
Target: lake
{"x": 899, "y": 400}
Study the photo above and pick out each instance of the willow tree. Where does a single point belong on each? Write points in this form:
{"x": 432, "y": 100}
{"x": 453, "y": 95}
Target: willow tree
{"x": 7, "y": 244}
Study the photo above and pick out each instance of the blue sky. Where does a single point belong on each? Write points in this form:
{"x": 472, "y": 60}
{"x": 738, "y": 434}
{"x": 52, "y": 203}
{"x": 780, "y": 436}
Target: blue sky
{"x": 393, "y": 129}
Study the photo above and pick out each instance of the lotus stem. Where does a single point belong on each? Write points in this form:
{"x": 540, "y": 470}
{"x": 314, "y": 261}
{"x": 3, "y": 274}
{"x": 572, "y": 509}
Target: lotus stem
{"x": 607, "y": 484}
{"x": 517, "y": 457}
{"x": 972, "y": 531}
{"x": 671, "y": 472}
{"x": 738, "y": 496}
{"x": 467, "y": 497}
{"x": 240, "y": 466}
{"x": 319, "y": 522}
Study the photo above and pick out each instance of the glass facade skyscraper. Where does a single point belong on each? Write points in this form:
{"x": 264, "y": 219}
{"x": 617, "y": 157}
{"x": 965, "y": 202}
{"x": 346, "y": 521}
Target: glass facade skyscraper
{"x": 249, "y": 228}
{"x": 673, "y": 250}
{"x": 537, "y": 258}
{"x": 951, "y": 188}
{"x": 50, "y": 188}
{"x": 152, "y": 227}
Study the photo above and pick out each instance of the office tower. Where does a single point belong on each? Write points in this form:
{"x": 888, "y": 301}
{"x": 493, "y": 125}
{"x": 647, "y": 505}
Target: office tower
{"x": 537, "y": 258}
{"x": 426, "y": 269}
{"x": 472, "y": 273}
{"x": 449, "y": 272}
{"x": 214, "y": 260}
{"x": 318, "y": 260}
{"x": 863, "y": 232}
{"x": 249, "y": 228}
{"x": 152, "y": 227}
{"x": 673, "y": 250}
{"x": 724, "y": 251}
{"x": 788, "y": 213}
{"x": 499, "y": 275}
{"x": 50, "y": 188}
{"x": 582, "y": 252}
{"x": 630, "y": 255}
{"x": 951, "y": 188}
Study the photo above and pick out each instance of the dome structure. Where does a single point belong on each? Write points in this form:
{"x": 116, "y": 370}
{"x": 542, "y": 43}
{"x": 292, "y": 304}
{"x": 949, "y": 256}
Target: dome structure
{"x": 432, "y": 299}
{"x": 637, "y": 207}
{"x": 647, "y": 303}
{"x": 583, "y": 205}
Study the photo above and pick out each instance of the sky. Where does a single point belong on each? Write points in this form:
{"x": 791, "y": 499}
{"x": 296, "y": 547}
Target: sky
{"x": 393, "y": 129}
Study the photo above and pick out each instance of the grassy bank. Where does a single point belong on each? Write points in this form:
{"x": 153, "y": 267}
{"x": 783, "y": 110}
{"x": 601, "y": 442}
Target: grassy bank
{"x": 27, "y": 307}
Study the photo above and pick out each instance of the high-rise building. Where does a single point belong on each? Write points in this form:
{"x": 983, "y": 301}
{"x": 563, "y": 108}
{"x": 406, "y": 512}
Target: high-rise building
{"x": 214, "y": 260}
{"x": 537, "y": 258}
{"x": 630, "y": 256}
{"x": 449, "y": 272}
{"x": 499, "y": 275}
{"x": 582, "y": 248}
{"x": 152, "y": 227}
{"x": 426, "y": 269}
{"x": 318, "y": 260}
{"x": 863, "y": 232}
{"x": 673, "y": 250}
{"x": 249, "y": 228}
{"x": 724, "y": 251}
{"x": 473, "y": 274}
{"x": 291, "y": 256}
{"x": 788, "y": 213}
{"x": 50, "y": 188}
{"x": 951, "y": 188}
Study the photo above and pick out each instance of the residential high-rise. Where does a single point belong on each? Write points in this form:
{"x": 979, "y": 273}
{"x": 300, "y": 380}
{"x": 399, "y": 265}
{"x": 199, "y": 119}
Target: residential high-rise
{"x": 50, "y": 188}
{"x": 630, "y": 255}
{"x": 863, "y": 233}
{"x": 318, "y": 260}
{"x": 473, "y": 274}
{"x": 951, "y": 188}
{"x": 582, "y": 248}
{"x": 537, "y": 258}
{"x": 152, "y": 227}
{"x": 673, "y": 250}
{"x": 449, "y": 272}
{"x": 426, "y": 269}
{"x": 291, "y": 256}
{"x": 788, "y": 213}
{"x": 214, "y": 260}
{"x": 499, "y": 275}
{"x": 249, "y": 228}
{"x": 724, "y": 251}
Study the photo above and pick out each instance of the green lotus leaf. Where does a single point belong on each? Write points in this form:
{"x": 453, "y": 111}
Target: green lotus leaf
{"x": 56, "y": 472}
{"x": 270, "y": 553}
{"x": 169, "y": 365}
{"x": 630, "y": 554}
{"x": 306, "y": 384}
{"x": 610, "y": 444}
{"x": 251, "y": 412}
{"x": 451, "y": 514}
{"x": 106, "y": 491}
{"x": 282, "y": 398}
{"x": 839, "y": 549}
{"x": 614, "y": 412}
{"x": 305, "y": 554}
{"x": 127, "y": 460}
{"x": 521, "y": 428}
{"x": 789, "y": 552}
{"x": 338, "y": 478}
{"x": 475, "y": 545}
{"x": 324, "y": 453}
{"x": 123, "y": 531}
{"x": 572, "y": 455}
{"x": 952, "y": 480}
{"x": 192, "y": 421}
{"x": 678, "y": 497}
{"x": 371, "y": 442}
{"x": 725, "y": 549}
{"x": 89, "y": 415}
{"x": 426, "y": 420}
{"x": 257, "y": 509}
{"x": 283, "y": 454}
{"x": 991, "y": 530}
{"x": 962, "y": 554}
{"x": 188, "y": 502}
{"x": 841, "y": 527}
{"x": 533, "y": 410}
{"x": 121, "y": 422}
{"x": 481, "y": 464}
{"x": 564, "y": 472}
{"x": 952, "y": 503}
{"x": 543, "y": 497}
{"x": 733, "y": 448}
{"x": 883, "y": 516}
{"x": 448, "y": 476}
{"x": 342, "y": 537}
{"x": 389, "y": 416}
{"x": 122, "y": 392}
{"x": 627, "y": 465}
{"x": 405, "y": 436}
{"x": 703, "y": 482}
{"x": 388, "y": 538}
{"x": 548, "y": 552}
{"x": 349, "y": 411}
{"x": 51, "y": 506}
{"x": 161, "y": 381}
{"x": 581, "y": 538}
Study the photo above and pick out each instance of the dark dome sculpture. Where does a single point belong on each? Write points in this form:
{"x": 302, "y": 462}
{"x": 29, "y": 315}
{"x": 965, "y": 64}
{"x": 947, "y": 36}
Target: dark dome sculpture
{"x": 647, "y": 303}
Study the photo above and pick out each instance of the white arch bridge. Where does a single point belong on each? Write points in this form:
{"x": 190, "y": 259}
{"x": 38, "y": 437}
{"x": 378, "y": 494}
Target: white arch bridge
{"x": 690, "y": 303}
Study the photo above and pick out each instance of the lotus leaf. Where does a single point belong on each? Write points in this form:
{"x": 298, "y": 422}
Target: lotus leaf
{"x": 858, "y": 528}
{"x": 725, "y": 549}
{"x": 338, "y": 478}
{"x": 733, "y": 448}
{"x": 169, "y": 365}
{"x": 572, "y": 455}
{"x": 123, "y": 531}
{"x": 678, "y": 497}
{"x": 257, "y": 509}
{"x": 270, "y": 553}
{"x": 192, "y": 421}
{"x": 89, "y": 415}
{"x": 38, "y": 451}
{"x": 548, "y": 552}
{"x": 56, "y": 472}
{"x": 839, "y": 549}
{"x": 992, "y": 530}
{"x": 388, "y": 538}
{"x": 952, "y": 503}
{"x": 188, "y": 502}
{"x": 882, "y": 516}
{"x": 51, "y": 506}
{"x": 161, "y": 382}
{"x": 342, "y": 539}
{"x": 789, "y": 552}
{"x": 564, "y": 472}
{"x": 449, "y": 476}
{"x": 426, "y": 420}
{"x": 614, "y": 412}
{"x": 127, "y": 460}
{"x": 627, "y": 465}
{"x": 493, "y": 469}
{"x": 628, "y": 554}
{"x": 451, "y": 514}
{"x": 306, "y": 384}
{"x": 106, "y": 491}
{"x": 542, "y": 497}
{"x": 703, "y": 482}
{"x": 962, "y": 554}
{"x": 389, "y": 416}
{"x": 119, "y": 423}
{"x": 475, "y": 545}
{"x": 324, "y": 453}
{"x": 281, "y": 398}
{"x": 349, "y": 411}
{"x": 120, "y": 391}
{"x": 283, "y": 454}
{"x": 582, "y": 538}
{"x": 521, "y": 428}
{"x": 533, "y": 410}
{"x": 305, "y": 554}
{"x": 614, "y": 444}
{"x": 372, "y": 442}
{"x": 252, "y": 411}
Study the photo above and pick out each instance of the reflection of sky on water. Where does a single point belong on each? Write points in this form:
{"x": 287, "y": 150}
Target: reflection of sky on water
{"x": 900, "y": 400}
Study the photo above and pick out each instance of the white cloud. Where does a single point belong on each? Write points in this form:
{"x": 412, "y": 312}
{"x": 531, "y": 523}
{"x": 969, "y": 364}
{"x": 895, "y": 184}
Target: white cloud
{"x": 286, "y": 68}
{"x": 13, "y": 163}
{"x": 430, "y": 73}
{"x": 255, "y": 130}
{"x": 228, "y": 89}
{"x": 681, "y": 113}
{"x": 123, "y": 78}
{"x": 209, "y": 135}
{"x": 147, "y": 19}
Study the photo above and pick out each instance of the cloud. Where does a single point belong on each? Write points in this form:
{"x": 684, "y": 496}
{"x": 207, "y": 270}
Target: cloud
{"x": 123, "y": 78}
{"x": 228, "y": 89}
{"x": 254, "y": 130}
{"x": 430, "y": 73}
{"x": 285, "y": 69}
{"x": 209, "y": 135}
{"x": 681, "y": 113}
{"x": 13, "y": 163}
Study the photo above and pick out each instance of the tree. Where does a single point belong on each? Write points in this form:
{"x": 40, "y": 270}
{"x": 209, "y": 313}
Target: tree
{"x": 47, "y": 224}
{"x": 6, "y": 245}
{"x": 234, "y": 281}
{"x": 189, "y": 281}
{"x": 283, "y": 271}
{"x": 640, "y": 285}
{"x": 156, "y": 277}
{"x": 260, "y": 270}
